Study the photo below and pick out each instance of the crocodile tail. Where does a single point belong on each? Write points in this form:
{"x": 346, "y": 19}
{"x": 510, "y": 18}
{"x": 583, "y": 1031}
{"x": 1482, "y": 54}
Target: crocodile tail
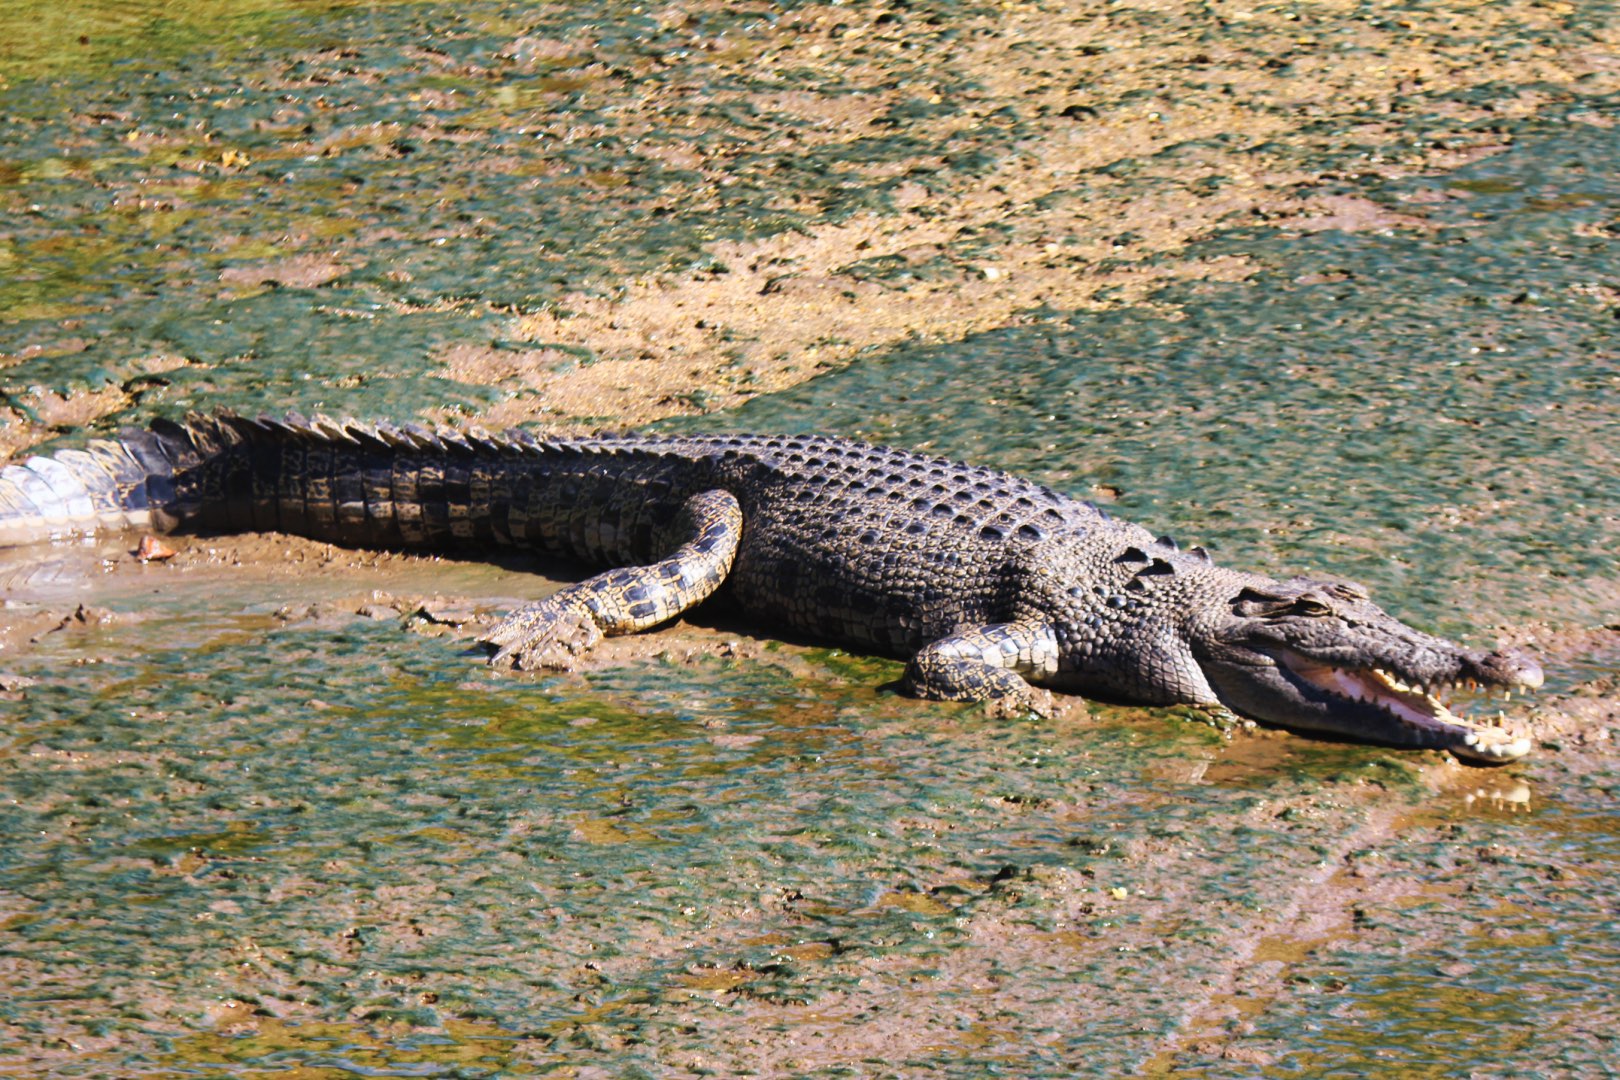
{"x": 342, "y": 481}
{"x": 108, "y": 485}
{"x": 195, "y": 474}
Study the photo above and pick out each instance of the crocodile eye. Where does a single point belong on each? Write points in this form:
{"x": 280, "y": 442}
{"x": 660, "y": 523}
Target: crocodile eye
{"x": 1255, "y": 604}
{"x": 1311, "y": 608}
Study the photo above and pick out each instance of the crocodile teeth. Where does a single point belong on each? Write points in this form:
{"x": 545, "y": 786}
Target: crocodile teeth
{"x": 1416, "y": 705}
{"x": 1505, "y": 750}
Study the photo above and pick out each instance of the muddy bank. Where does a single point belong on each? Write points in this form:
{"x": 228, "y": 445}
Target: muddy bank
{"x": 75, "y": 589}
{"x": 671, "y": 212}
{"x": 1321, "y": 286}
{"x": 734, "y": 854}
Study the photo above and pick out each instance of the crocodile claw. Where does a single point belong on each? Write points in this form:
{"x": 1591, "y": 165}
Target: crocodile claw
{"x": 551, "y": 634}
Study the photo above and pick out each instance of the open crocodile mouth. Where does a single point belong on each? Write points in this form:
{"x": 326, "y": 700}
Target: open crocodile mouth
{"x": 1421, "y": 707}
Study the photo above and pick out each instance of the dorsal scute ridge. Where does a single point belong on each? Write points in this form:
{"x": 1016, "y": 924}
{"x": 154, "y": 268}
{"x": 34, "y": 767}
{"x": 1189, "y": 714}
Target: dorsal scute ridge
{"x": 369, "y": 437}
{"x": 389, "y": 434}
{"x": 455, "y": 442}
{"x": 817, "y": 457}
{"x": 420, "y": 438}
{"x": 331, "y": 430}
{"x": 174, "y": 440}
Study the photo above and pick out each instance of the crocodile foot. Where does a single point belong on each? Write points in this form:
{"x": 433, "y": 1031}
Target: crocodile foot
{"x": 551, "y": 634}
{"x": 1031, "y": 701}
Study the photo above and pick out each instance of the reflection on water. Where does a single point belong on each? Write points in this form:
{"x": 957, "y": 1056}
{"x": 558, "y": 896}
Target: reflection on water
{"x": 1511, "y": 796}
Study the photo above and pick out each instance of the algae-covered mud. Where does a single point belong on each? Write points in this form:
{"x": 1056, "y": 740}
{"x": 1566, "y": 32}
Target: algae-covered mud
{"x": 1432, "y": 410}
{"x": 247, "y": 838}
{"x": 1324, "y": 286}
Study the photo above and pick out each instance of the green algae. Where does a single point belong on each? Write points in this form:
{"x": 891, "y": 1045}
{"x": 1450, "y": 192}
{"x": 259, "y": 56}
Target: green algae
{"x": 1400, "y": 408}
{"x": 1510, "y": 932}
{"x": 263, "y": 220}
{"x": 236, "y": 845}
{"x": 351, "y": 825}
{"x": 41, "y": 36}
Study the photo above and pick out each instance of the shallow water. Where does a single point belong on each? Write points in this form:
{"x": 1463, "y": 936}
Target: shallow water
{"x": 260, "y": 823}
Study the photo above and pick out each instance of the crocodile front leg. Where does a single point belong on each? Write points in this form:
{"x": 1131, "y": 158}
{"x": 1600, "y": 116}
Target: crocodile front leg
{"x": 988, "y": 663}
{"x": 631, "y": 598}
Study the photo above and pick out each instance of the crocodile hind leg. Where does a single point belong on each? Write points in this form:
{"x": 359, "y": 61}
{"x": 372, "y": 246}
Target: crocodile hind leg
{"x": 631, "y": 598}
{"x": 988, "y": 663}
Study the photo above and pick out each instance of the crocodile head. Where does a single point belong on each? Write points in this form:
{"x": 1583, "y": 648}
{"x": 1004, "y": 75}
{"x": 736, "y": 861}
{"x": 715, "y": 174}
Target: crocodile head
{"x": 1320, "y": 655}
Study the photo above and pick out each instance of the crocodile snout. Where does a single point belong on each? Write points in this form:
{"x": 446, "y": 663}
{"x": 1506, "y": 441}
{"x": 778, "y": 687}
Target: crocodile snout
{"x": 1509, "y": 668}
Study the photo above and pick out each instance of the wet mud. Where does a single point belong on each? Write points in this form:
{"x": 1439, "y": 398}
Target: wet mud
{"x": 305, "y": 828}
{"x": 1327, "y": 287}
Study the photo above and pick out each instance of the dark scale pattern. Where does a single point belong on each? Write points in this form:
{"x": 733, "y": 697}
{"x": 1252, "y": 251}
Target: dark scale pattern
{"x": 987, "y": 583}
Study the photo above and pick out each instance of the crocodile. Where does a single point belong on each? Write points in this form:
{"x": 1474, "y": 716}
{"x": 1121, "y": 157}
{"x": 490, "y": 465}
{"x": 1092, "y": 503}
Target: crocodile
{"x": 993, "y": 588}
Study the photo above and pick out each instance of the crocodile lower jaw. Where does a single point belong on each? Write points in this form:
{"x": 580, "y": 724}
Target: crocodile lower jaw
{"x": 1417, "y": 707}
